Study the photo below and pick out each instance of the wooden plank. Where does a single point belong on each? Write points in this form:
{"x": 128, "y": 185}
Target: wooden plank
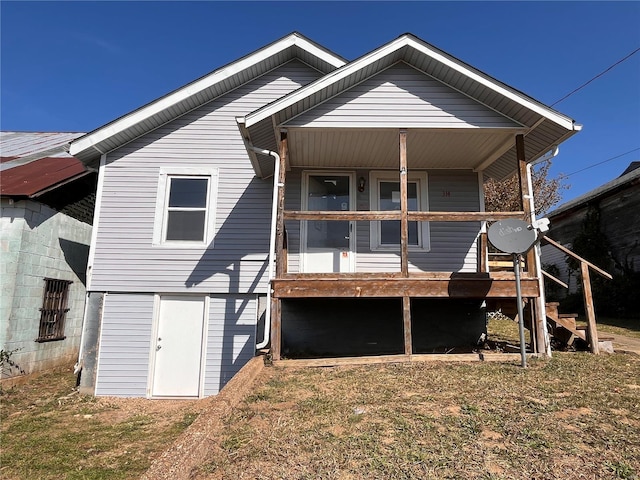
{"x": 363, "y": 276}
{"x": 592, "y": 330}
{"x": 374, "y": 215}
{"x": 484, "y": 253}
{"x": 404, "y": 219}
{"x": 406, "y": 317}
{"x": 462, "y": 216}
{"x": 442, "y": 288}
{"x": 577, "y": 257}
{"x": 557, "y": 280}
{"x": 386, "y": 359}
{"x": 280, "y": 257}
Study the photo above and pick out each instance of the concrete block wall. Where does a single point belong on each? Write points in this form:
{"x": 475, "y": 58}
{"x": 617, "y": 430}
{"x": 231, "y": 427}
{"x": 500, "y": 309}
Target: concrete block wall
{"x": 37, "y": 242}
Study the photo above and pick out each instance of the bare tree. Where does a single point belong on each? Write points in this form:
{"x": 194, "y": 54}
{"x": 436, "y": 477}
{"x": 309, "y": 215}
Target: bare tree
{"x": 504, "y": 196}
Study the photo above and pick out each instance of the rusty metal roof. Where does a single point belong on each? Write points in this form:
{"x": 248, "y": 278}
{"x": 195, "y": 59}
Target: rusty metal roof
{"x": 34, "y": 162}
{"x": 39, "y": 175}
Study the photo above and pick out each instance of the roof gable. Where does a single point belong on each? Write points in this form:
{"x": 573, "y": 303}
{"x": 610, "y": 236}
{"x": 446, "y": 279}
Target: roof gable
{"x": 402, "y": 97}
{"x": 191, "y": 96}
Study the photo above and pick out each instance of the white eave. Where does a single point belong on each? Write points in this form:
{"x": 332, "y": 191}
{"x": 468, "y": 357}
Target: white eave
{"x": 124, "y": 129}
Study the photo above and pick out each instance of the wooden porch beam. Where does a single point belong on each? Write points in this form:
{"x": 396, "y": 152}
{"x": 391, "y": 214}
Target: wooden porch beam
{"x": 403, "y": 287}
{"x": 375, "y": 215}
{"x": 404, "y": 219}
{"x": 284, "y": 153}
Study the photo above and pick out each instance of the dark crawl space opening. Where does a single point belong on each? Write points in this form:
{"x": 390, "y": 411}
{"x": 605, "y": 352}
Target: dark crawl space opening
{"x": 348, "y": 327}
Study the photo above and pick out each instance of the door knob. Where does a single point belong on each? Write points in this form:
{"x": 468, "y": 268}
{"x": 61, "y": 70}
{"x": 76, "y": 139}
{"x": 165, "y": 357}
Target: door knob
{"x": 158, "y": 347}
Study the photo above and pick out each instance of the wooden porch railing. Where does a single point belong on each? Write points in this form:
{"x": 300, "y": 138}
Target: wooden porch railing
{"x": 585, "y": 265}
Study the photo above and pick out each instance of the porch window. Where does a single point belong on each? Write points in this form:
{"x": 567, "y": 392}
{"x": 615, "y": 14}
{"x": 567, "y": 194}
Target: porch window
{"x": 54, "y": 310}
{"x": 185, "y": 211}
{"x": 385, "y": 195}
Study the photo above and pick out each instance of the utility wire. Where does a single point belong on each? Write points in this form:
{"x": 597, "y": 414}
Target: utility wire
{"x": 597, "y": 76}
{"x": 604, "y": 161}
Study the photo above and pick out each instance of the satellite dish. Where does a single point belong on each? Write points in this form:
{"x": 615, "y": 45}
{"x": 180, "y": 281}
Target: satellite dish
{"x": 512, "y": 236}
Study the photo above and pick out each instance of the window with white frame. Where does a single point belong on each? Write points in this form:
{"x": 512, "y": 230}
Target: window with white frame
{"x": 185, "y": 209}
{"x": 385, "y": 195}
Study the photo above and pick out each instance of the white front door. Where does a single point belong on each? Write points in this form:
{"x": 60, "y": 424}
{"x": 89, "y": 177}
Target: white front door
{"x": 178, "y": 347}
{"x": 327, "y": 245}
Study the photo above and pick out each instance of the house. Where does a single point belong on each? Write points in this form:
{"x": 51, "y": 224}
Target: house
{"x": 617, "y": 204}
{"x": 47, "y": 208}
{"x": 297, "y": 201}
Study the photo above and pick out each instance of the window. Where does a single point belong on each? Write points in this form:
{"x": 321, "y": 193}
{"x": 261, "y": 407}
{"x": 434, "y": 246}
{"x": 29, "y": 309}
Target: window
{"x": 385, "y": 195}
{"x": 54, "y": 310}
{"x": 184, "y": 212}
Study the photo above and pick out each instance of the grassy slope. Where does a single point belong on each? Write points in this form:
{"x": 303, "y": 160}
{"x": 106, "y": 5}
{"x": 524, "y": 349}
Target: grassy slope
{"x": 576, "y": 416}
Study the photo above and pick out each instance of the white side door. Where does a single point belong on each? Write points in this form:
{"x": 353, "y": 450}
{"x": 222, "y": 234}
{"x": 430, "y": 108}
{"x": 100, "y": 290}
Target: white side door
{"x": 178, "y": 347}
{"x": 328, "y": 245}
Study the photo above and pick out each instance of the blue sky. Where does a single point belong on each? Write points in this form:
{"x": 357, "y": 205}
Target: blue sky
{"x": 74, "y": 66}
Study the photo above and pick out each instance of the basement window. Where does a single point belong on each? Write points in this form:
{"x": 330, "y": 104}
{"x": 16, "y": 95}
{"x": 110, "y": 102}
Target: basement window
{"x": 54, "y": 310}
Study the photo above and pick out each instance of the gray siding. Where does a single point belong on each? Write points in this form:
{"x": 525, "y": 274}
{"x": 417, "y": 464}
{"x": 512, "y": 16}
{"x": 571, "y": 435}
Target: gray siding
{"x": 453, "y": 244}
{"x": 125, "y": 259}
{"x": 125, "y": 342}
{"x": 230, "y": 338}
{"x": 402, "y": 96}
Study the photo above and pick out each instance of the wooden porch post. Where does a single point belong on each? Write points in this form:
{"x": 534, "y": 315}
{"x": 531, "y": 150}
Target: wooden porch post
{"x": 276, "y": 307}
{"x": 537, "y": 313}
{"x": 592, "y": 331}
{"x": 404, "y": 221}
{"x": 404, "y": 242}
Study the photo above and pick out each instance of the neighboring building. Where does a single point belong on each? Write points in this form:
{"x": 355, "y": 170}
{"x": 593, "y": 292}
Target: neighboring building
{"x": 618, "y": 203}
{"x": 363, "y": 235}
{"x": 47, "y": 208}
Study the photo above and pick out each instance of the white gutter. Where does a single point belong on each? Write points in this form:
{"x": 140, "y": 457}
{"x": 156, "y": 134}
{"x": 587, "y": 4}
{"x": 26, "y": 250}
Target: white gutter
{"x": 272, "y": 237}
{"x": 542, "y": 302}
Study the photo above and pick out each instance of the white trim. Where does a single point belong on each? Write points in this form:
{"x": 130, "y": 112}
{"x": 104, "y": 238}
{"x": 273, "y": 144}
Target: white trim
{"x": 405, "y": 40}
{"x": 419, "y": 177}
{"x": 96, "y": 220}
{"x": 162, "y": 199}
{"x": 198, "y": 86}
{"x": 304, "y": 204}
{"x": 203, "y": 346}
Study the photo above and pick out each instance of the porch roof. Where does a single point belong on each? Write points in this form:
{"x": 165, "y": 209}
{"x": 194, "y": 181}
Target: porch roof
{"x": 489, "y": 150}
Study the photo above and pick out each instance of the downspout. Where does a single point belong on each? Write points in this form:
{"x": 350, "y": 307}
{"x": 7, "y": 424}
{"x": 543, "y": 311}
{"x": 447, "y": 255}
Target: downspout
{"x": 272, "y": 237}
{"x": 542, "y": 302}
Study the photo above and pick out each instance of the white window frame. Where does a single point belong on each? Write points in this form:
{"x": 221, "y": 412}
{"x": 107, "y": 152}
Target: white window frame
{"x": 162, "y": 206}
{"x": 420, "y": 178}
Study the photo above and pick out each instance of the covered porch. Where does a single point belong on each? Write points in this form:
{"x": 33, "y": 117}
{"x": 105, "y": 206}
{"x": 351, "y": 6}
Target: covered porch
{"x": 378, "y": 171}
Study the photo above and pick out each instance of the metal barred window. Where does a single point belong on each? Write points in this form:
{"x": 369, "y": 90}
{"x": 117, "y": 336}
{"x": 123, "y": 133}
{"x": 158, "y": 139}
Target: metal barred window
{"x": 54, "y": 310}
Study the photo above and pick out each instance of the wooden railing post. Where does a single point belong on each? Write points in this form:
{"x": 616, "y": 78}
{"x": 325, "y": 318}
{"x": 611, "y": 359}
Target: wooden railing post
{"x": 592, "y": 331}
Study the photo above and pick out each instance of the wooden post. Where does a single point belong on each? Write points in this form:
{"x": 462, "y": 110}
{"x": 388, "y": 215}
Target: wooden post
{"x": 484, "y": 253}
{"x": 404, "y": 221}
{"x": 276, "y": 325}
{"x": 538, "y": 314}
{"x": 406, "y": 316}
{"x": 592, "y": 331}
{"x": 281, "y": 258}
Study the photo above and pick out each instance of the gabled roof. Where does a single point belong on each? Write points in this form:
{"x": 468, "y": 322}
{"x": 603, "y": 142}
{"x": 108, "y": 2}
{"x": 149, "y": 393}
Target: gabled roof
{"x": 217, "y": 83}
{"x": 544, "y": 126}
